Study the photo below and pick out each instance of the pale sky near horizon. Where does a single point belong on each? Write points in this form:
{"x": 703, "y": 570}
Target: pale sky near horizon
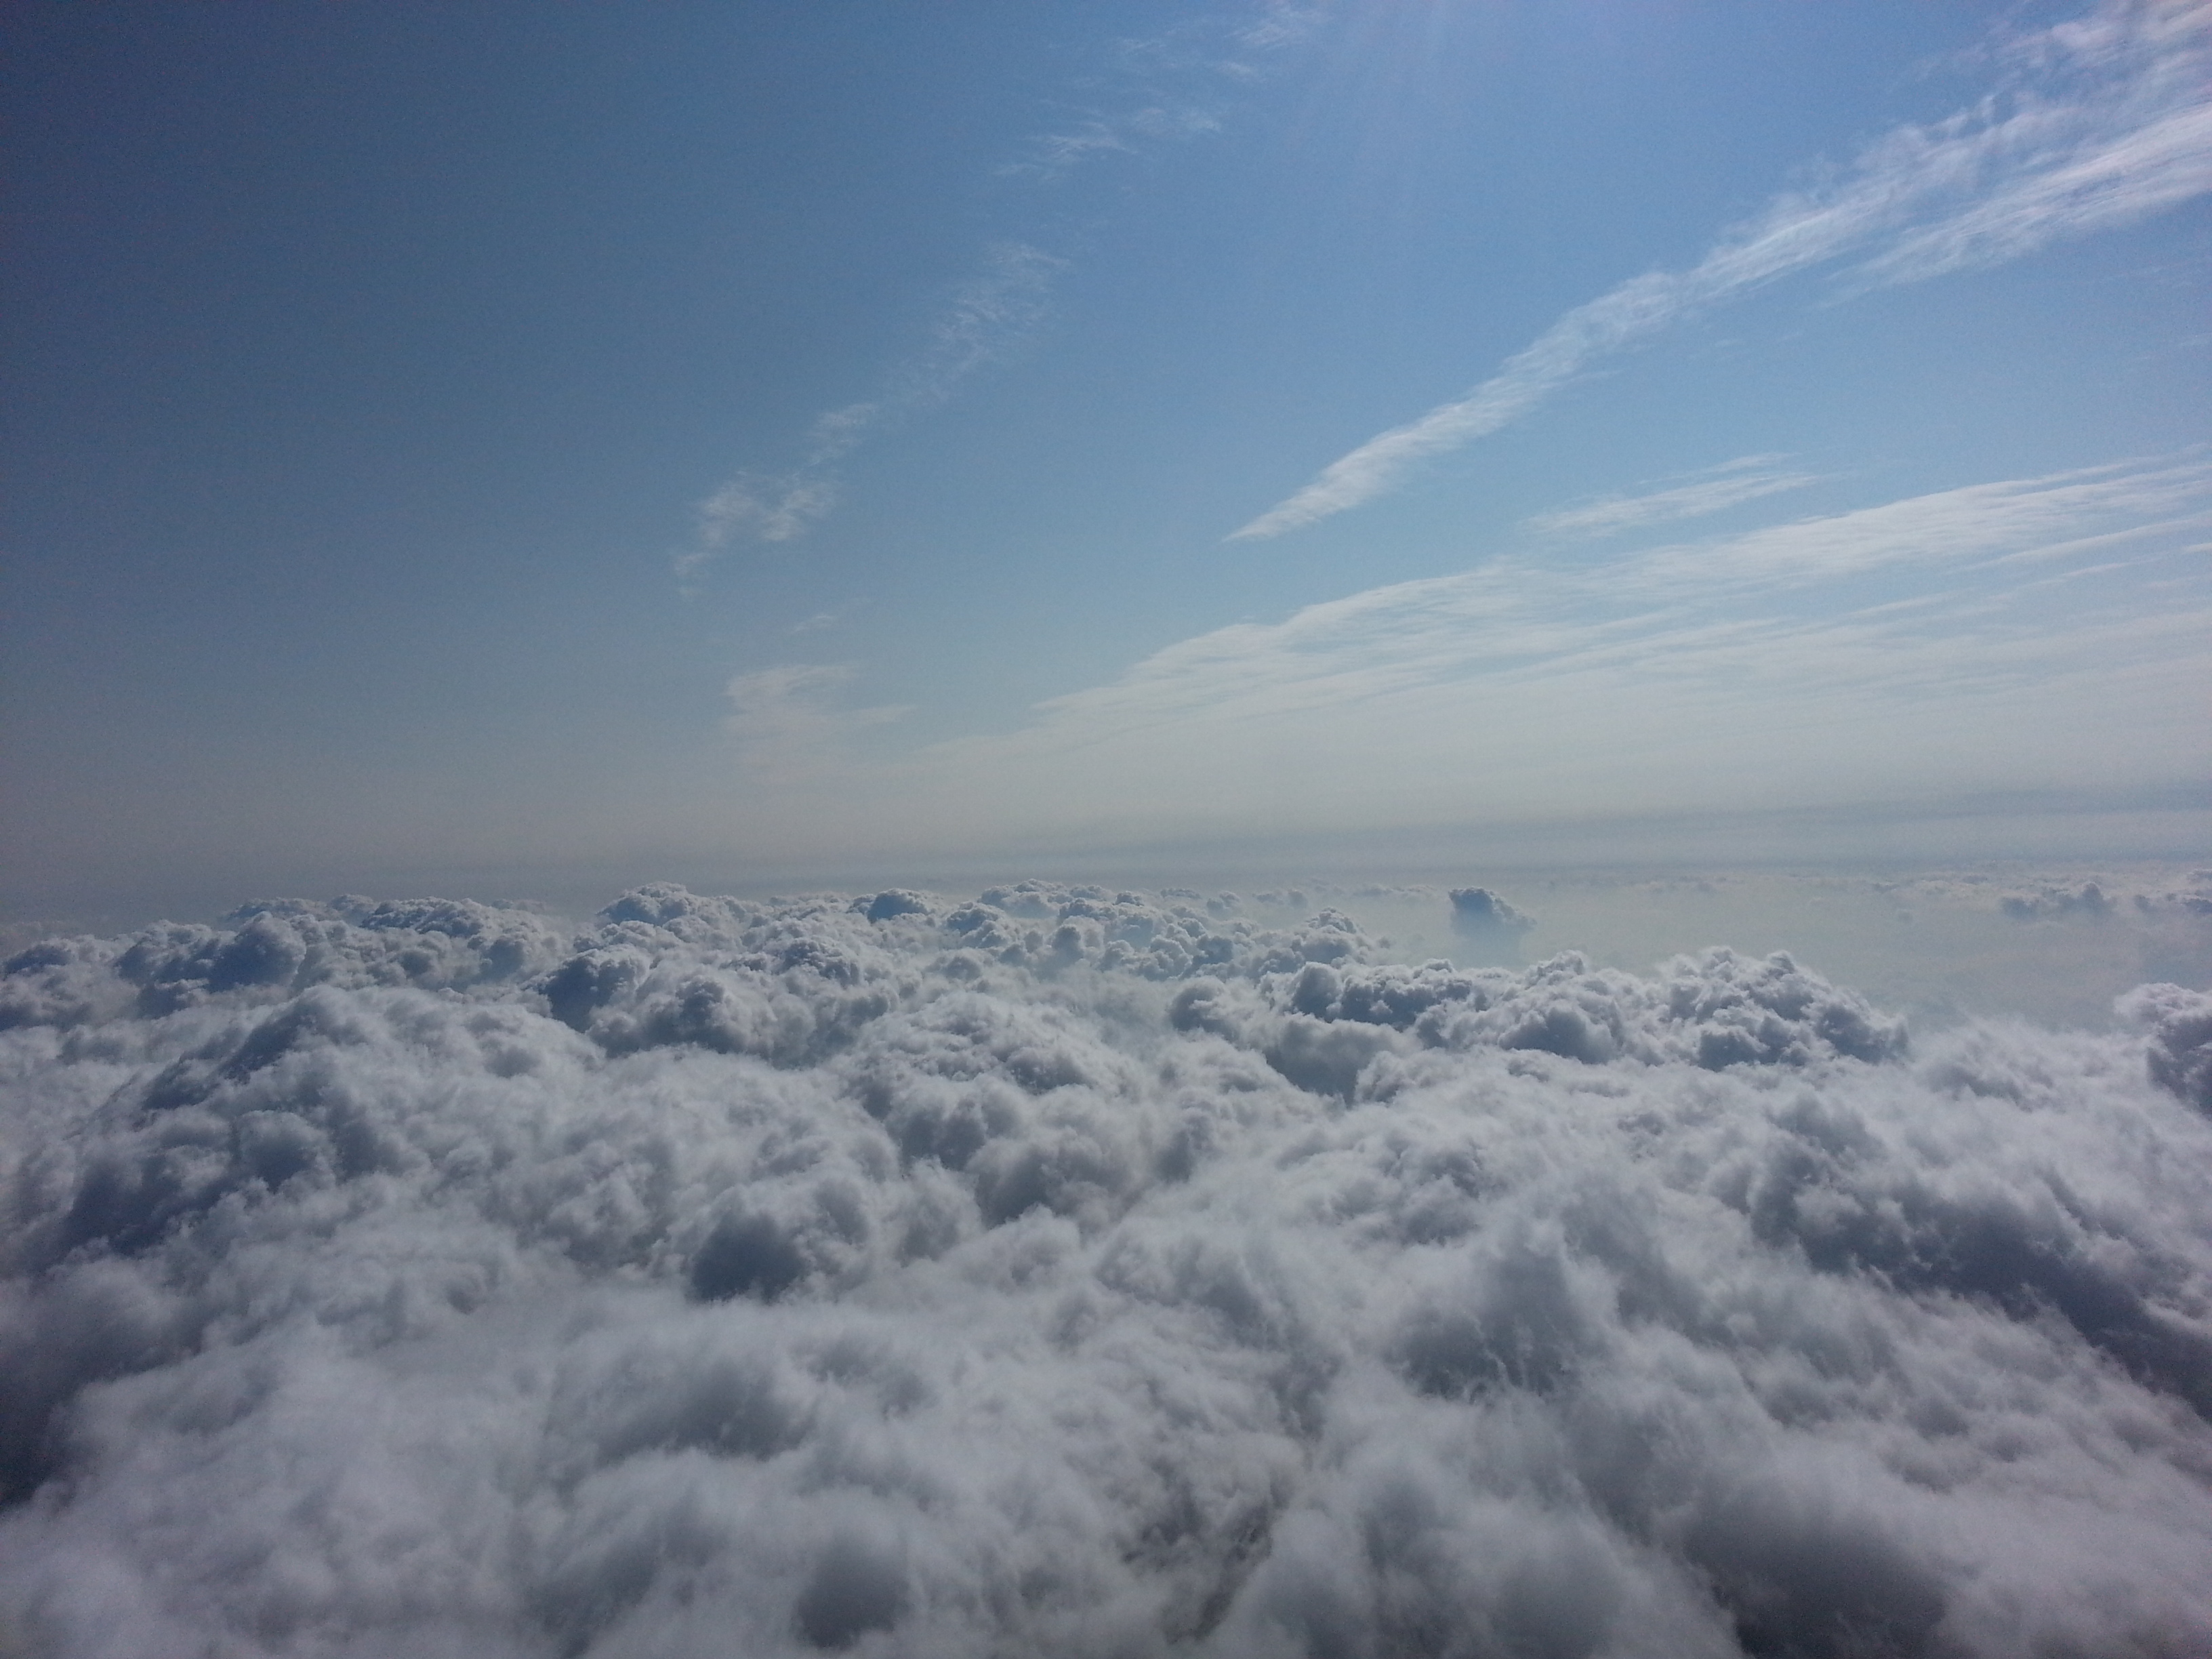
{"x": 515, "y": 439}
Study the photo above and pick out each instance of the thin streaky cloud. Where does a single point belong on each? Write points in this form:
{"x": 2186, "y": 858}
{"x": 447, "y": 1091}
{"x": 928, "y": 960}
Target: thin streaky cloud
{"x": 987, "y": 317}
{"x": 1700, "y": 614}
{"x": 2106, "y": 122}
{"x": 1172, "y": 86}
{"x": 774, "y": 509}
{"x": 1508, "y": 614}
{"x": 1166, "y": 93}
{"x": 1739, "y": 664}
{"x": 1057, "y": 155}
{"x": 784, "y": 719}
{"x": 2014, "y": 520}
{"x": 2058, "y": 551}
{"x": 1746, "y": 479}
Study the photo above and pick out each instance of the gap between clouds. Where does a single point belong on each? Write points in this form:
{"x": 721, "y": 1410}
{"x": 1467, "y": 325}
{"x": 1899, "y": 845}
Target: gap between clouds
{"x": 2101, "y": 122}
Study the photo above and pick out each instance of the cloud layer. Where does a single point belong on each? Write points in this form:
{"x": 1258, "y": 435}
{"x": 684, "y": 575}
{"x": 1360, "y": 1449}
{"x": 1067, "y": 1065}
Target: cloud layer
{"x": 2096, "y": 124}
{"x": 1084, "y": 1272}
{"x": 1990, "y": 637}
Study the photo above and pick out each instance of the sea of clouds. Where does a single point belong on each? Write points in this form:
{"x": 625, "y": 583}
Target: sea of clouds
{"x": 1077, "y": 1271}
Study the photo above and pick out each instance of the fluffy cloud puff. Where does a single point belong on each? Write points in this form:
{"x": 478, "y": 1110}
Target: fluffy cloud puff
{"x": 1078, "y": 1272}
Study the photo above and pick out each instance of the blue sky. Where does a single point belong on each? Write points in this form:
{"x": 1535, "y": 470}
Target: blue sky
{"x": 785, "y": 439}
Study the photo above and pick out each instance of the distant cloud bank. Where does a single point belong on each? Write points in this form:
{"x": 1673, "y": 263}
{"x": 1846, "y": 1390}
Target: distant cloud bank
{"x": 1068, "y": 1270}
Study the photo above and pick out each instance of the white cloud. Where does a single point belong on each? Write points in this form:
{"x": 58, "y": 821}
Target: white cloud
{"x": 1072, "y": 1271}
{"x": 1734, "y": 674}
{"x": 773, "y": 509}
{"x": 1729, "y": 484}
{"x": 987, "y": 316}
{"x": 786, "y": 717}
{"x": 1909, "y": 658}
{"x": 2021, "y": 519}
{"x": 2104, "y": 122}
{"x": 1167, "y": 89}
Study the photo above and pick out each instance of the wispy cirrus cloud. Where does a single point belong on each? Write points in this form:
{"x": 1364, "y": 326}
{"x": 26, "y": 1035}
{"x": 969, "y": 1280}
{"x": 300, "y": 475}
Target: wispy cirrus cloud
{"x": 2094, "y": 124}
{"x": 2013, "y": 519}
{"x": 1759, "y": 668}
{"x": 1055, "y": 155}
{"x": 1729, "y": 484}
{"x": 987, "y": 316}
{"x": 786, "y": 719}
{"x": 1167, "y": 88}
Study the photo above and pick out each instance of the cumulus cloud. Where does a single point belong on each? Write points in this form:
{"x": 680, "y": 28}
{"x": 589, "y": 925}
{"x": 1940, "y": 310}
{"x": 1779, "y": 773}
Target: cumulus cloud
{"x": 2094, "y": 124}
{"x": 2180, "y": 1026}
{"x": 1074, "y": 1270}
{"x": 1487, "y": 925}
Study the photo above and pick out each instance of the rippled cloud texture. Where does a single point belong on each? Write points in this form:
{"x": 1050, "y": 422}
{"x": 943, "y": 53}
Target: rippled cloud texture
{"x": 1078, "y": 1272}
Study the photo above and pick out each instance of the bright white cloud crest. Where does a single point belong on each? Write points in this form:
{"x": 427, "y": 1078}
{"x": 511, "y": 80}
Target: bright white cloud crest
{"x": 1078, "y": 1272}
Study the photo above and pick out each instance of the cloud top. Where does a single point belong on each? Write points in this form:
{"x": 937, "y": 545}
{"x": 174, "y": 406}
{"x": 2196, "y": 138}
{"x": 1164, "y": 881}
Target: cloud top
{"x": 1169, "y": 87}
{"x": 1075, "y": 1270}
